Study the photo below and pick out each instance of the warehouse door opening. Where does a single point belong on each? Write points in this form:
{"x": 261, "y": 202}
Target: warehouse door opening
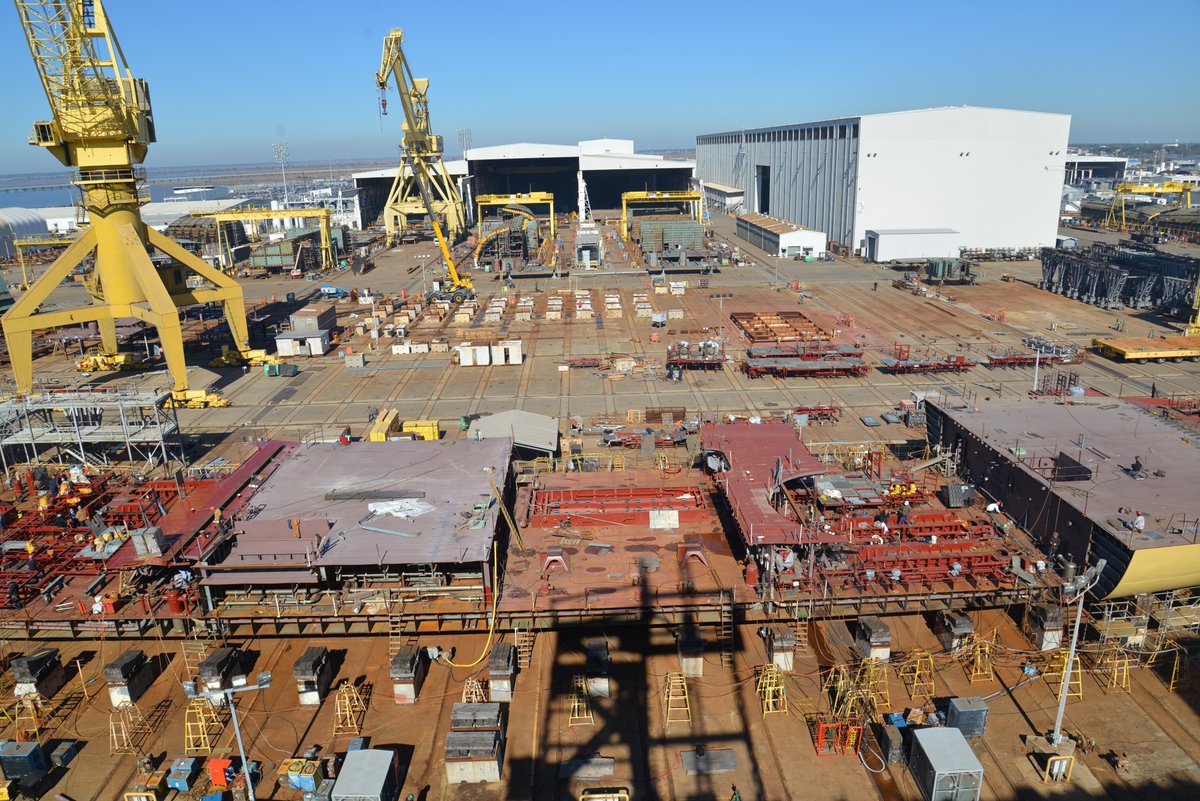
{"x": 762, "y": 177}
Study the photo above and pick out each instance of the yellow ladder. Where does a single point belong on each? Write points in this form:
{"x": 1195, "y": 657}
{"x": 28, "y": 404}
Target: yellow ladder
{"x": 581, "y": 703}
{"x": 678, "y": 709}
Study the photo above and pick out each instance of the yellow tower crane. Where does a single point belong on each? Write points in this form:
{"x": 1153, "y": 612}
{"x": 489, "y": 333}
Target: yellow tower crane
{"x": 102, "y": 125}
{"x": 422, "y": 185}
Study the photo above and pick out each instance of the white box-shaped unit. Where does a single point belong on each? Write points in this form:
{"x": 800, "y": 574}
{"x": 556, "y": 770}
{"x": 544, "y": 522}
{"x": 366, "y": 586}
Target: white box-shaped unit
{"x": 912, "y": 244}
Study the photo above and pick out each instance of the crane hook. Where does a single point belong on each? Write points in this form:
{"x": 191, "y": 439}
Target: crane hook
{"x": 383, "y": 104}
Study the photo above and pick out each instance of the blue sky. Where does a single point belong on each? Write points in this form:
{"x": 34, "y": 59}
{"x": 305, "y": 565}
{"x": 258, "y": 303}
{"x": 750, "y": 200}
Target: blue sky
{"x": 230, "y": 78}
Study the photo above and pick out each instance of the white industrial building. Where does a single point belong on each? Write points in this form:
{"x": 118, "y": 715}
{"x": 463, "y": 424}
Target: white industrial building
{"x": 608, "y": 168}
{"x": 992, "y": 176}
{"x": 16, "y": 223}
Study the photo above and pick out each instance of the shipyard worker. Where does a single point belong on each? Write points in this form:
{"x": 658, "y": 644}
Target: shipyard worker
{"x": 736, "y": 795}
{"x": 993, "y": 507}
{"x": 1139, "y": 523}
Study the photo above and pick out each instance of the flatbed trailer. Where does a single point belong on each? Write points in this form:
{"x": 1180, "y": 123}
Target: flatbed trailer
{"x": 1138, "y": 349}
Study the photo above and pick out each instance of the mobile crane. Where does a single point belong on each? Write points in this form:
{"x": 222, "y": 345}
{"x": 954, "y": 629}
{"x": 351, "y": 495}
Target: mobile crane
{"x": 102, "y": 125}
{"x": 422, "y": 166}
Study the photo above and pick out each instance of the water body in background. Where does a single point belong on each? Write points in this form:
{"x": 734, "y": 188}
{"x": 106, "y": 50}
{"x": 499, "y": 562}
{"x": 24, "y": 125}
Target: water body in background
{"x": 67, "y": 196}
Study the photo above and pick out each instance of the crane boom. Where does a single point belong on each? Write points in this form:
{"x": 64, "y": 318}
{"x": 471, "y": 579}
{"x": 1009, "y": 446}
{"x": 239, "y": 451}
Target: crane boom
{"x": 435, "y": 194}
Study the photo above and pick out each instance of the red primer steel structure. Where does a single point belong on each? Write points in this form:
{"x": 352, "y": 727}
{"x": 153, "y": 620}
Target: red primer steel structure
{"x": 804, "y": 368}
{"x": 903, "y": 361}
{"x": 760, "y": 458}
{"x": 812, "y": 350}
{"x": 615, "y": 506}
{"x": 822, "y": 413}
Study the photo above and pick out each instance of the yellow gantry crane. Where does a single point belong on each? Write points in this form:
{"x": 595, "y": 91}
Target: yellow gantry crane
{"x": 322, "y": 216}
{"x": 688, "y": 196}
{"x": 1116, "y": 210}
{"x": 102, "y": 125}
{"x": 422, "y": 185}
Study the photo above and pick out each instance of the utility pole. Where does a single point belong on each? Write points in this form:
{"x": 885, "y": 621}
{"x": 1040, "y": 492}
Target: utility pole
{"x": 262, "y": 682}
{"x": 281, "y": 156}
{"x": 1080, "y": 587}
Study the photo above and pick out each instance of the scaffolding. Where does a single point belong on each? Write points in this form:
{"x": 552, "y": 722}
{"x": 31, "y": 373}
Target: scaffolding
{"x": 473, "y": 692}
{"x": 126, "y": 725}
{"x": 872, "y": 678}
{"x": 581, "y": 702}
{"x": 771, "y": 691}
{"x": 978, "y": 658}
{"x": 195, "y": 650}
{"x": 348, "y": 711}
{"x": 29, "y": 718}
{"x": 677, "y": 706}
{"x": 1171, "y": 648}
{"x": 1115, "y": 661}
{"x": 200, "y": 725}
{"x": 1054, "y": 675}
{"x": 83, "y": 428}
{"x": 916, "y": 671}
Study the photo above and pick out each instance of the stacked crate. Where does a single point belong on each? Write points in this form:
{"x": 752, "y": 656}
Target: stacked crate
{"x": 612, "y": 306}
{"x": 475, "y": 743}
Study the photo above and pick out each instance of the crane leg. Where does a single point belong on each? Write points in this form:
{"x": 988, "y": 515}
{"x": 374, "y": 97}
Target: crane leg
{"x": 108, "y": 334}
{"x": 163, "y": 313}
{"x": 228, "y": 291}
{"x": 20, "y": 320}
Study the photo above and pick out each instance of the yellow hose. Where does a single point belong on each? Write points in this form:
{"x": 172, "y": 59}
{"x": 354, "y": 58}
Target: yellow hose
{"x": 487, "y": 647}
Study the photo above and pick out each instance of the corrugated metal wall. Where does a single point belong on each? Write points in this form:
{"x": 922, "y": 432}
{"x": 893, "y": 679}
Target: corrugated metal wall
{"x": 813, "y": 171}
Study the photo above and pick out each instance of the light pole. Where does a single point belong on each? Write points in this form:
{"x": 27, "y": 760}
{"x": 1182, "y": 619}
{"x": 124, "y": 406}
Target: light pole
{"x": 262, "y": 682}
{"x": 1037, "y": 362}
{"x": 1080, "y": 587}
{"x": 281, "y": 156}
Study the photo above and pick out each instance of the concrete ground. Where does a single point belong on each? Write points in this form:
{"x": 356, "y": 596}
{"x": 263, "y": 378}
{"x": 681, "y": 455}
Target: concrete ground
{"x": 856, "y": 299}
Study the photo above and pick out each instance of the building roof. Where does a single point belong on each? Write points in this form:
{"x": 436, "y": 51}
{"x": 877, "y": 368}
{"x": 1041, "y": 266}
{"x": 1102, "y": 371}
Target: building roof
{"x": 318, "y": 334}
{"x": 363, "y": 774}
{"x": 523, "y": 150}
{"x": 728, "y": 190}
{"x": 22, "y": 222}
{"x": 453, "y": 167}
{"x": 632, "y": 161}
{"x": 773, "y": 224}
{"x": 524, "y": 428}
{"x": 446, "y": 512}
{"x": 856, "y": 117}
{"x": 1080, "y": 158}
{"x": 1113, "y": 433}
{"x": 947, "y": 750}
{"x": 901, "y": 231}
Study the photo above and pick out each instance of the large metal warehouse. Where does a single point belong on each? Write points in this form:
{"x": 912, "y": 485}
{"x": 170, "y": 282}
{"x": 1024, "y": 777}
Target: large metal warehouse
{"x": 609, "y": 167}
{"x": 993, "y": 175}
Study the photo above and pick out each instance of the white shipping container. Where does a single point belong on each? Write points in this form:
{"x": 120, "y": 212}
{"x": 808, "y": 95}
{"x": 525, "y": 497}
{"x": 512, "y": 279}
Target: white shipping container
{"x": 466, "y": 354}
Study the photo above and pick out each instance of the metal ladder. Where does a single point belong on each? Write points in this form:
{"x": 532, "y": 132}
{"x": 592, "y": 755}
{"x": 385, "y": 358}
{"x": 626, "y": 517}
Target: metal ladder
{"x": 525, "y": 639}
{"x": 726, "y": 629}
